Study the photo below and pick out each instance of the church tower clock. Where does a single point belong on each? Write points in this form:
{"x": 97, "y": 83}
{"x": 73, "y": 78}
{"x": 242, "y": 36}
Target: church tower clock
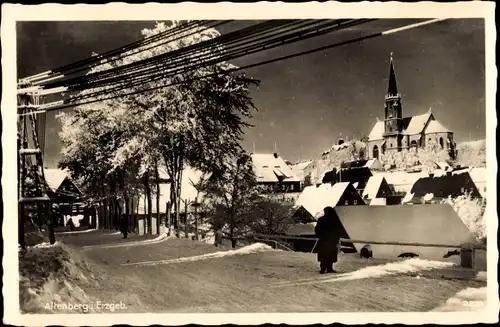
{"x": 393, "y": 122}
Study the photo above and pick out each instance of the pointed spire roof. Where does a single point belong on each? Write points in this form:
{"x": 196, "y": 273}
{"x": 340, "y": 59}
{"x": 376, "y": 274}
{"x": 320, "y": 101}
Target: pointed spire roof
{"x": 393, "y": 87}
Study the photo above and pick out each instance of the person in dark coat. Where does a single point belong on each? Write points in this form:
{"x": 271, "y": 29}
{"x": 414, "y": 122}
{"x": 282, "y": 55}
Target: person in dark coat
{"x": 327, "y": 231}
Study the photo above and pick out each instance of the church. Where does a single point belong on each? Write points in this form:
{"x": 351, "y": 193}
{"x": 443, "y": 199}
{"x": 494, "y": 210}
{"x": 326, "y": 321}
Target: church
{"x": 397, "y": 133}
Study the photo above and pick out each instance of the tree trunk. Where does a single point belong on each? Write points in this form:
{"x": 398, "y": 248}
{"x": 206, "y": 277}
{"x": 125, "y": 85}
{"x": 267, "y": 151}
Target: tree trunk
{"x": 186, "y": 234}
{"x": 196, "y": 221}
{"x": 168, "y": 222}
{"x": 144, "y": 230}
{"x": 158, "y": 216}
{"x": 150, "y": 203}
{"x": 136, "y": 221}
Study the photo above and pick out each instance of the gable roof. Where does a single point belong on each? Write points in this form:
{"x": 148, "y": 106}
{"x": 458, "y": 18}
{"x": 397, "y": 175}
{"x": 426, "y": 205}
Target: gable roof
{"x": 373, "y": 187}
{"x": 436, "y": 127}
{"x": 315, "y": 198}
{"x": 55, "y": 177}
{"x": 298, "y": 169}
{"x": 268, "y": 167}
{"x": 377, "y": 131}
{"x": 417, "y": 124}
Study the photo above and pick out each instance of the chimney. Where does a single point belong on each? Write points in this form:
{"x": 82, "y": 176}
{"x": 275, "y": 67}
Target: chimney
{"x": 431, "y": 175}
{"x": 275, "y": 155}
{"x": 448, "y": 173}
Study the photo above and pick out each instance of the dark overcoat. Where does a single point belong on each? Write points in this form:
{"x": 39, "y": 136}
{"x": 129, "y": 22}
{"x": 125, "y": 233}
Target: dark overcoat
{"x": 328, "y": 232}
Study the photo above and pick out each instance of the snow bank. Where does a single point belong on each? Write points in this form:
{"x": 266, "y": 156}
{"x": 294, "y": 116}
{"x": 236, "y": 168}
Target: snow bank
{"x": 253, "y": 248}
{"x": 50, "y": 276}
{"x": 77, "y": 231}
{"x": 410, "y": 266}
{"x": 469, "y": 299}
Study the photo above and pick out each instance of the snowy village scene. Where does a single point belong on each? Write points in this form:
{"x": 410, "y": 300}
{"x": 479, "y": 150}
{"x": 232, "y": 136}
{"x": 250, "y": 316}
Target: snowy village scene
{"x": 251, "y": 166}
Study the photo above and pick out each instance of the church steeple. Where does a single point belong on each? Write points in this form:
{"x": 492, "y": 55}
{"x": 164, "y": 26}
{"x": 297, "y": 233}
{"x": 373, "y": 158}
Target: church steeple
{"x": 392, "y": 90}
{"x": 393, "y": 108}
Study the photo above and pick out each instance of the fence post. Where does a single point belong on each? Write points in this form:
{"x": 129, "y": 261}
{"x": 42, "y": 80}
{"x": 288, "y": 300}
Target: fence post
{"x": 467, "y": 255}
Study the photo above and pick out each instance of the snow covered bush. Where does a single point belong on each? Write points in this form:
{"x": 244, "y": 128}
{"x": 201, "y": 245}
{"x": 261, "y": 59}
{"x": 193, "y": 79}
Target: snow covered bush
{"x": 471, "y": 212}
{"x": 472, "y": 153}
{"x": 423, "y": 157}
{"x": 349, "y": 151}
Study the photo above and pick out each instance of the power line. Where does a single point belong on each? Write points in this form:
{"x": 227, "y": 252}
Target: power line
{"x": 235, "y": 35}
{"x": 206, "y": 59}
{"x": 59, "y": 105}
{"x": 232, "y": 53}
{"x": 94, "y": 59}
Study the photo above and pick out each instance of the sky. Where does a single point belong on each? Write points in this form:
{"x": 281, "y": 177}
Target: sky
{"x": 306, "y": 103}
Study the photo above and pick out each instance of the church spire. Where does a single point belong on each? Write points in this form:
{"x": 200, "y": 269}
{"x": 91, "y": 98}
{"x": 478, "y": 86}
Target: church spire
{"x": 393, "y": 87}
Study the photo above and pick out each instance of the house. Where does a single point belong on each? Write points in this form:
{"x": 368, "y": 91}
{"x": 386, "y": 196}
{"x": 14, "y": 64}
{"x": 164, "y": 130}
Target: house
{"x": 396, "y": 133}
{"x": 358, "y": 176}
{"x": 64, "y": 194}
{"x": 449, "y": 184}
{"x": 313, "y": 199}
{"x": 274, "y": 174}
{"x": 299, "y": 169}
{"x": 379, "y": 192}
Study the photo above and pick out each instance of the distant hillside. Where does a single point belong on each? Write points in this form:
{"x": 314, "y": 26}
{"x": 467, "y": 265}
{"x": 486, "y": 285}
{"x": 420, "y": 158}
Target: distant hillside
{"x": 472, "y": 153}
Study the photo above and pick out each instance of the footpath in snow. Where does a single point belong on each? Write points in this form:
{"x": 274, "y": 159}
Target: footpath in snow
{"x": 389, "y": 269}
{"x": 253, "y": 248}
{"x": 158, "y": 239}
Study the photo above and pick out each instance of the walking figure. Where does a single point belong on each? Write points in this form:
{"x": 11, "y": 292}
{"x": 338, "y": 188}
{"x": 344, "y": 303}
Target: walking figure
{"x": 328, "y": 232}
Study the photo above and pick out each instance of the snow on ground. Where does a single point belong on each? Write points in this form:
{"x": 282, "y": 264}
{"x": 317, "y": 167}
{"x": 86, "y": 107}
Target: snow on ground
{"x": 48, "y": 278}
{"x": 389, "y": 269}
{"x": 160, "y": 238}
{"x": 469, "y": 299}
{"x": 77, "y": 231}
{"x": 253, "y": 248}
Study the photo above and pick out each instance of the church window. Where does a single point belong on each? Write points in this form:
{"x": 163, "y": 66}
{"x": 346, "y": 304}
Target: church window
{"x": 375, "y": 152}
{"x": 346, "y": 202}
{"x": 291, "y": 187}
{"x": 441, "y": 142}
{"x": 355, "y": 202}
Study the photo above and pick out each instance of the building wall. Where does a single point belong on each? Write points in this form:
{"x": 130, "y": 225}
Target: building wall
{"x": 371, "y": 144}
{"x": 436, "y": 137}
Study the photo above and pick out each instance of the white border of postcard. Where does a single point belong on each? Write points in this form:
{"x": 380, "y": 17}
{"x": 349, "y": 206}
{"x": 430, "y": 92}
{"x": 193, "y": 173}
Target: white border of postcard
{"x": 262, "y": 10}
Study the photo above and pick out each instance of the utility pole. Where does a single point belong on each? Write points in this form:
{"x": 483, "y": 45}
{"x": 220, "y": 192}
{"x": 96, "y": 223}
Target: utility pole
{"x": 34, "y": 196}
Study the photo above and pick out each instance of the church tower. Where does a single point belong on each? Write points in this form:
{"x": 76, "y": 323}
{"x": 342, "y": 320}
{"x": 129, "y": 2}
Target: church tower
{"x": 393, "y": 122}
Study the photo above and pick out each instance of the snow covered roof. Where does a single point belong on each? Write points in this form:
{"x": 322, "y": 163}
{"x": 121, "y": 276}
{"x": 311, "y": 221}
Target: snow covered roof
{"x": 373, "y": 164}
{"x": 436, "y": 127}
{"x": 55, "y": 177}
{"x": 315, "y": 199}
{"x": 298, "y": 169}
{"x": 417, "y": 124}
{"x": 377, "y": 132}
{"x": 268, "y": 168}
{"x": 372, "y": 187}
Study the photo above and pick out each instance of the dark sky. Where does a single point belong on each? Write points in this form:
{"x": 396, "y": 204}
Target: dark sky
{"x": 306, "y": 102}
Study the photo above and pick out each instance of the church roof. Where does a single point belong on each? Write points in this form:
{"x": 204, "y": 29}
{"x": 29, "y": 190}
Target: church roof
{"x": 377, "y": 132}
{"x": 268, "y": 167}
{"x": 417, "y": 124}
{"x": 436, "y": 127}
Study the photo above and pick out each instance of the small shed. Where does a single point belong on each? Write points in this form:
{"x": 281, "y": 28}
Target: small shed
{"x": 425, "y": 223}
